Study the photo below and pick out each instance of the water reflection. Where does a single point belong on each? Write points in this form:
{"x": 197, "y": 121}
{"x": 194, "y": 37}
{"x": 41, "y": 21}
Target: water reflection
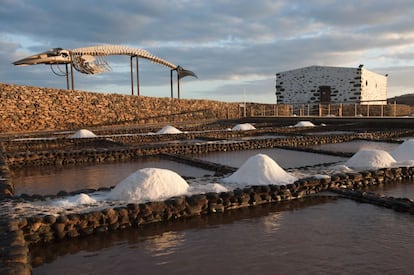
{"x": 398, "y": 190}
{"x": 285, "y": 158}
{"x": 356, "y": 145}
{"x": 51, "y": 179}
{"x": 154, "y": 238}
{"x": 315, "y": 236}
{"x": 272, "y": 222}
{"x": 165, "y": 243}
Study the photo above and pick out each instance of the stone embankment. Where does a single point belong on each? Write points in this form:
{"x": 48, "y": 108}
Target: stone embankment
{"x": 32, "y": 109}
{"x": 47, "y": 228}
{"x": 14, "y": 249}
{"x": 6, "y": 188}
{"x": 27, "y": 108}
{"x": 398, "y": 204}
{"x": 19, "y": 234}
{"x": 98, "y": 150}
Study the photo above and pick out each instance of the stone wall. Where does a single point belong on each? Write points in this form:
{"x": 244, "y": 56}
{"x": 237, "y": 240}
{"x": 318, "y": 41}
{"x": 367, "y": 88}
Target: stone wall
{"x": 27, "y": 154}
{"x": 373, "y": 87}
{"x": 34, "y": 109}
{"x": 60, "y": 156}
{"x": 26, "y": 108}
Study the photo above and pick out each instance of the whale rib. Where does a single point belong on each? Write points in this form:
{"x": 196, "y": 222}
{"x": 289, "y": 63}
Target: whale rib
{"x": 84, "y": 61}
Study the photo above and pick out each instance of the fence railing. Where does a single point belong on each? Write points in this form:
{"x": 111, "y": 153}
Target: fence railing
{"x": 365, "y": 109}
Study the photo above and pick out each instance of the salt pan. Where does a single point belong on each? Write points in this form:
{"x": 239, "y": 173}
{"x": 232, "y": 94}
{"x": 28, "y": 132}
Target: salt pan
{"x": 243, "y": 127}
{"x": 404, "y": 152}
{"x": 207, "y": 187}
{"x": 149, "y": 184}
{"x": 75, "y": 201}
{"x": 83, "y": 133}
{"x": 168, "y": 129}
{"x": 370, "y": 159}
{"x": 304, "y": 124}
{"x": 260, "y": 169}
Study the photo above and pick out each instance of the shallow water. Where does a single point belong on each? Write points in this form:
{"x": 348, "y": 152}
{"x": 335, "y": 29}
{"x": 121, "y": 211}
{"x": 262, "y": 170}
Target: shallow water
{"x": 397, "y": 190}
{"x": 318, "y": 236}
{"x": 51, "y": 179}
{"x": 314, "y": 236}
{"x": 285, "y": 158}
{"x": 259, "y": 137}
{"x": 356, "y": 145}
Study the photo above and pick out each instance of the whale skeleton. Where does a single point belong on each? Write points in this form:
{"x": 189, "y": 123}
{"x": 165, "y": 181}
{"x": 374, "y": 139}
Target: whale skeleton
{"x": 91, "y": 60}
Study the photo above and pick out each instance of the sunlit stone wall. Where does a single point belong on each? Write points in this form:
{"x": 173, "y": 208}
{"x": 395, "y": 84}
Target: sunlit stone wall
{"x": 373, "y": 87}
{"x": 26, "y": 108}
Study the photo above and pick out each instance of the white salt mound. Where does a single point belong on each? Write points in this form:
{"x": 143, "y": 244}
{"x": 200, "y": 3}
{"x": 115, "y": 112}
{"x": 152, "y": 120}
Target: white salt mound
{"x": 149, "y": 184}
{"x": 83, "y": 133}
{"x": 206, "y": 188}
{"x": 243, "y": 127}
{"x": 215, "y": 187}
{"x": 260, "y": 169}
{"x": 304, "y": 124}
{"x": 404, "y": 151}
{"x": 342, "y": 168}
{"x": 370, "y": 159}
{"x": 169, "y": 130}
{"x": 75, "y": 201}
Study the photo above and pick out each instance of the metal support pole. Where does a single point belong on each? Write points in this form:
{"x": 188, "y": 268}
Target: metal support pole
{"x": 71, "y": 76}
{"x": 138, "y": 89}
{"x": 395, "y": 108}
{"x": 171, "y": 80}
{"x": 67, "y": 76}
{"x": 132, "y": 75}
{"x": 178, "y": 86}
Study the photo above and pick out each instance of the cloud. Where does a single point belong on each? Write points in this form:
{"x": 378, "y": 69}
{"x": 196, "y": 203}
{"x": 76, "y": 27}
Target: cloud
{"x": 229, "y": 45}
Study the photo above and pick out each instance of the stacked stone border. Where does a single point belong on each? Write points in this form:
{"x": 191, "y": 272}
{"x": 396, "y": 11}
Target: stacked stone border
{"x": 46, "y": 228}
{"x": 55, "y": 152}
{"x": 19, "y": 234}
{"x": 27, "y": 231}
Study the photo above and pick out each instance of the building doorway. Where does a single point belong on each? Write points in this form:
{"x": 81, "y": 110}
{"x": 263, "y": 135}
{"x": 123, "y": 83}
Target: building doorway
{"x": 325, "y": 94}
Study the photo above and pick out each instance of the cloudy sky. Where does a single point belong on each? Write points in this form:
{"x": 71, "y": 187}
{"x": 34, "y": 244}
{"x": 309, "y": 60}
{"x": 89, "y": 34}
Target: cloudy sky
{"x": 235, "y": 47}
